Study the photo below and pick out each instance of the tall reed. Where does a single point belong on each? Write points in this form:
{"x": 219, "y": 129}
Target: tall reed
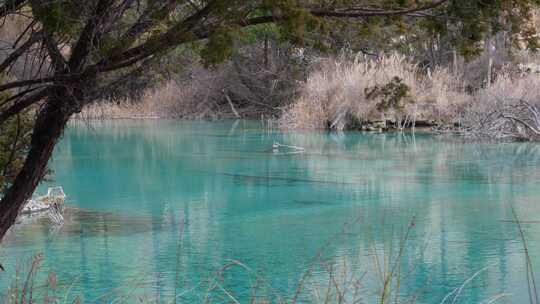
{"x": 338, "y": 91}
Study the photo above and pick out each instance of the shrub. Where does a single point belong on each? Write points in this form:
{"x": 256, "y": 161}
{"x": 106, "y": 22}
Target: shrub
{"x": 363, "y": 89}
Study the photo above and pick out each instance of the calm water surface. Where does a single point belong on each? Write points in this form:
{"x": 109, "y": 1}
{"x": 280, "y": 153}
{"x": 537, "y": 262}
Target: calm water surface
{"x": 159, "y": 207}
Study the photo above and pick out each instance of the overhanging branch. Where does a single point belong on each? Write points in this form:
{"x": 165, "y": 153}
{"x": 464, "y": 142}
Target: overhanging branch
{"x": 178, "y": 34}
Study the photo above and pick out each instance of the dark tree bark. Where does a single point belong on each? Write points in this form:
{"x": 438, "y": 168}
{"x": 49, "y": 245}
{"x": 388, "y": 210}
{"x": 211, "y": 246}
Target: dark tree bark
{"x": 49, "y": 126}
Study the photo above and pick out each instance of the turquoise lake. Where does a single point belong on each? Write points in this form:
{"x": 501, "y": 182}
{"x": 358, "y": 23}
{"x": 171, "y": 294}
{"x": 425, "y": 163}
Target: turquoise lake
{"x": 156, "y": 209}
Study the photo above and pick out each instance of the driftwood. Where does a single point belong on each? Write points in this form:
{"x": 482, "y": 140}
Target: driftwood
{"x": 51, "y": 204}
{"x": 517, "y": 121}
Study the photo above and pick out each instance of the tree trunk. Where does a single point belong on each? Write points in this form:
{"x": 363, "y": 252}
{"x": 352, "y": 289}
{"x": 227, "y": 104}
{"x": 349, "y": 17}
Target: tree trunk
{"x": 49, "y": 126}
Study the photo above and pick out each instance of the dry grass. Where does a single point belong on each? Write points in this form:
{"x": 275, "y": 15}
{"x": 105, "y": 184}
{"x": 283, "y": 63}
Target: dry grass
{"x": 507, "y": 89}
{"x": 446, "y": 95}
{"x": 507, "y": 110}
{"x": 325, "y": 279}
{"x": 335, "y": 93}
{"x": 337, "y": 90}
{"x": 205, "y": 97}
{"x": 25, "y": 287}
{"x": 170, "y": 100}
{"x": 247, "y": 86}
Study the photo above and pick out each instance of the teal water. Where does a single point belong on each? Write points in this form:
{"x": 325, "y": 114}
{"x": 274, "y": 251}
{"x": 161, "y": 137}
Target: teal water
{"x": 157, "y": 208}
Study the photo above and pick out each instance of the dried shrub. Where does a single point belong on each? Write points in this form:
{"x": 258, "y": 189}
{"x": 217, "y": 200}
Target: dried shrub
{"x": 342, "y": 90}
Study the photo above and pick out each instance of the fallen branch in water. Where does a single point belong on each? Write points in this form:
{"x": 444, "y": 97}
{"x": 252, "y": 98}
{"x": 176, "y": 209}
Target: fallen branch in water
{"x": 277, "y": 145}
{"x": 518, "y": 121}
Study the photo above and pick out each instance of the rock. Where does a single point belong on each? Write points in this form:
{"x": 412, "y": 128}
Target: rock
{"x": 379, "y": 124}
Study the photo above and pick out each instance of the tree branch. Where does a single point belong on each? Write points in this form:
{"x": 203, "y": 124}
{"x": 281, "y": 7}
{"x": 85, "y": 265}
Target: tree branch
{"x": 20, "y": 51}
{"x": 366, "y": 12}
{"x": 11, "y": 6}
{"x": 86, "y": 39}
{"x": 21, "y": 105}
{"x": 149, "y": 17}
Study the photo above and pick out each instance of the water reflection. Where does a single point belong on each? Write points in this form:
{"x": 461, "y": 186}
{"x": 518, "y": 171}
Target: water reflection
{"x": 167, "y": 203}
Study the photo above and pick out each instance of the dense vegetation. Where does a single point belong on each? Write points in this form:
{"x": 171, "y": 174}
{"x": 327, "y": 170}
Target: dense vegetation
{"x": 14, "y": 143}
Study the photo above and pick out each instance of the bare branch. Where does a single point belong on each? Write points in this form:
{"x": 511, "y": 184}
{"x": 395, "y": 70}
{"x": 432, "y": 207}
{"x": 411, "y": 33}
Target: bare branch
{"x": 20, "y": 51}
{"x": 21, "y": 105}
{"x": 11, "y": 6}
